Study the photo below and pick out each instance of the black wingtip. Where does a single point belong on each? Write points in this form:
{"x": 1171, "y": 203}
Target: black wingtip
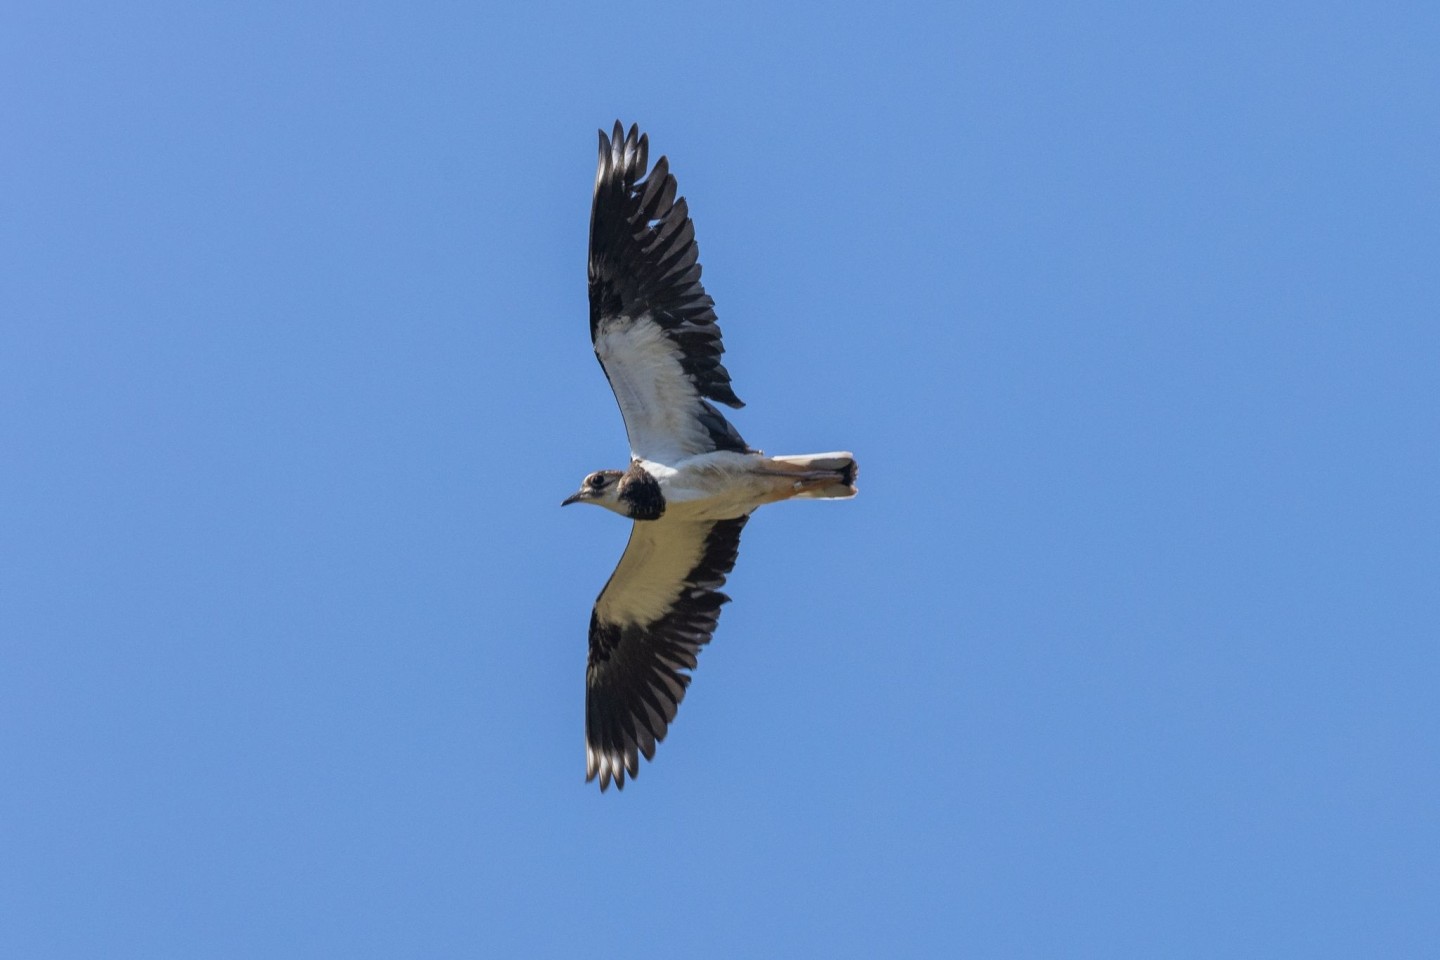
{"x": 644, "y": 258}
{"x": 624, "y": 154}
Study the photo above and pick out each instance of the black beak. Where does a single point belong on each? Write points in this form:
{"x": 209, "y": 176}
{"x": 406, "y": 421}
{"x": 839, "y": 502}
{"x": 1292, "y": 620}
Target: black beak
{"x": 573, "y": 498}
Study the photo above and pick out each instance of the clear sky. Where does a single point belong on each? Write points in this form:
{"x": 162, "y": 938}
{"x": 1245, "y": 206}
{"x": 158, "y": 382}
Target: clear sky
{"x": 1128, "y": 647}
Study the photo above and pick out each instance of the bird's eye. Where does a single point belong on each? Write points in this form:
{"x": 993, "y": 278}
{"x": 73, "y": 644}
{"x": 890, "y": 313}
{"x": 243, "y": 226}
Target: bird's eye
{"x": 595, "y": 481}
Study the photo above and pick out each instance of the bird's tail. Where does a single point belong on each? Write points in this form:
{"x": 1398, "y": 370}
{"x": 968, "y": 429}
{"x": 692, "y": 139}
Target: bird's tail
{"x": 819, "y": 476}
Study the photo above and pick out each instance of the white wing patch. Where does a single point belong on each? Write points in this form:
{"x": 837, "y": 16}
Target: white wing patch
{"x": 652, "y": 572}
{"x": 660, "y": 405}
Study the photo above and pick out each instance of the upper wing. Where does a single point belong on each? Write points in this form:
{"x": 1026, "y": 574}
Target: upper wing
{"x": 651, "y": 321}
{"x": 656, "y": 612}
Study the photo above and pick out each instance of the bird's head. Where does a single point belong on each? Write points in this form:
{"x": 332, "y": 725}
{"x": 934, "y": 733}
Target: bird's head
{"x": 601, "y": 488}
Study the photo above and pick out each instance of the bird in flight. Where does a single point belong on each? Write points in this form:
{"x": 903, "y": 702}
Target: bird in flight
{"x": 692, "y": 482}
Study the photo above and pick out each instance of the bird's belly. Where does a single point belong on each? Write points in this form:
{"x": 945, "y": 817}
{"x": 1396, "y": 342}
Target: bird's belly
{"x": 717, "y": 486}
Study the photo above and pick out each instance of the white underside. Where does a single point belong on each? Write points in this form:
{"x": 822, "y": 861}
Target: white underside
{"x": 718, "y": 486}
{"x": 652, "y": 571}
{"x": 660, "y": 405}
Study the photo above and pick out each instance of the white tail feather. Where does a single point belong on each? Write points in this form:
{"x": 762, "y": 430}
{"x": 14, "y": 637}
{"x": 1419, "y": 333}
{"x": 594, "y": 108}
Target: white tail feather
{"x": 820, "y": 476}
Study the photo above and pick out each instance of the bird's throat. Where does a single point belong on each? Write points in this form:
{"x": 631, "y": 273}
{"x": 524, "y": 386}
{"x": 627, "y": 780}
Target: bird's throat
{"x": 641, "y": 494}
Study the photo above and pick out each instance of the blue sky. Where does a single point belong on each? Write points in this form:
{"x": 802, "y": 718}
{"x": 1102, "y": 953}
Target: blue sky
{"x": 1127, "y": 647}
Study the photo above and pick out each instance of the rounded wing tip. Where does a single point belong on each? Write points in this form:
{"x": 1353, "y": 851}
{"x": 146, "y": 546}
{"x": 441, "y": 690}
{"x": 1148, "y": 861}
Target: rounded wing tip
{"x": 608, "y": 772}
{"x": 626, "y": 150}
{"x": 612, "y": 766}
